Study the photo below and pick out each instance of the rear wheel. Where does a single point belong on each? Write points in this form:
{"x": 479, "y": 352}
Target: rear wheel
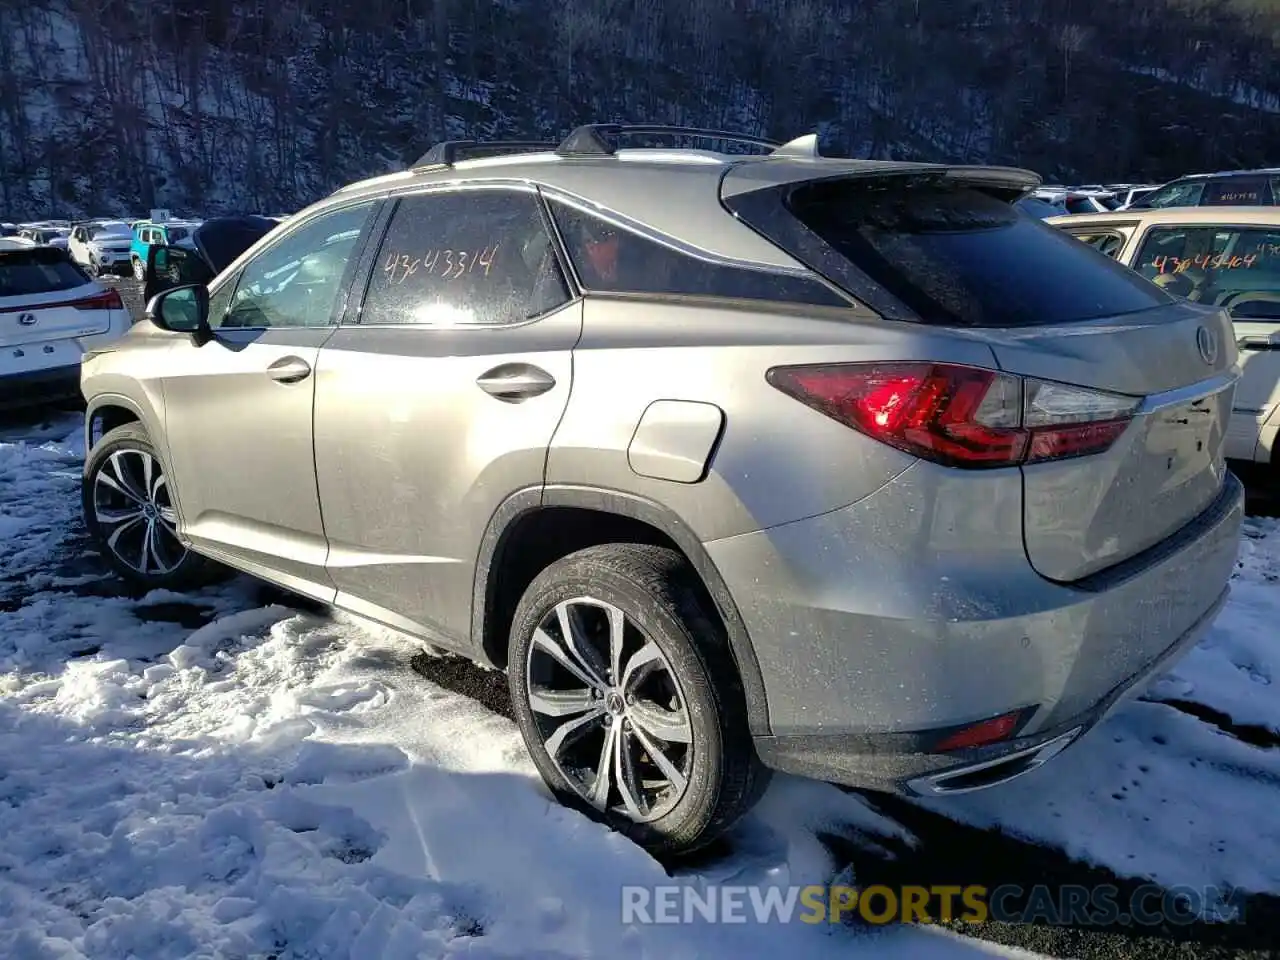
{"x": 628, "y": 699}
{"x": 129, "y": 510}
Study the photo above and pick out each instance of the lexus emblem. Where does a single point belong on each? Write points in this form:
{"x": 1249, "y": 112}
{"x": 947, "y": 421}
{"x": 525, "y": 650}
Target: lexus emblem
{"x": 26, "y": 319}
{"x": 1207, "y": 341}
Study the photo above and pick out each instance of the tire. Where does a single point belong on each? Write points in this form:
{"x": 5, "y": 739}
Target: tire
{"x": 120, "y": 457}
{"x": 139, "y": 270}
{"x": 674, "y": 650}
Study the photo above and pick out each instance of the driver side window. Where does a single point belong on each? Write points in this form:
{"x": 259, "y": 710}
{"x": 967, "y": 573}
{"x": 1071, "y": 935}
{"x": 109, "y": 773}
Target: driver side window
{"x": 296, "y": 281}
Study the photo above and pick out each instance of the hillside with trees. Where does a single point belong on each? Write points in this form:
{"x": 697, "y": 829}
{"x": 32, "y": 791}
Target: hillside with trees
{"x": 205, "y": 106}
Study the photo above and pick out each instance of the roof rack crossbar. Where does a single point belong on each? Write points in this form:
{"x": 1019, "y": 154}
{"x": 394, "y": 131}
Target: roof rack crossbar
{"x": 448, "y": 152}
{"x": 599, "y": 139}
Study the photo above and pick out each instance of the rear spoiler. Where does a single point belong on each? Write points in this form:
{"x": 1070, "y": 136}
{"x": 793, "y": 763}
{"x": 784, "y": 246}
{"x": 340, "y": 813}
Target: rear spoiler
{"x": 784, "y": 172}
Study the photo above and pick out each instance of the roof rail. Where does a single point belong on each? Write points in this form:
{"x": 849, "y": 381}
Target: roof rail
{"x": 599, "y": 139}
{"x": 448, "y": 152}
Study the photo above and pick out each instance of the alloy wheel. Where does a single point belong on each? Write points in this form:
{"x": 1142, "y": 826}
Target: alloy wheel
{"x": 609, "y": 710}
{"x": 132, "y": 507}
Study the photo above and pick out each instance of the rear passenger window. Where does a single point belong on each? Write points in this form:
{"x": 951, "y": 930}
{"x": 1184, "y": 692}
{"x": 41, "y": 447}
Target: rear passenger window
{"x": 1238, "y": 269}
{"x": 468, "y": 257}
{"x": 959, "y": 257}
{"x": 1237, "y": 191}
{"x": 613, "y": 259}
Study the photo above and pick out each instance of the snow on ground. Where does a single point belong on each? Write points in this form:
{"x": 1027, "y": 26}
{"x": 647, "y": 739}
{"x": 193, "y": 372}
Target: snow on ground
{"x": 206, "y": 776}
{"x": 280, "y": 784}
{"x": 1156, "y": 792}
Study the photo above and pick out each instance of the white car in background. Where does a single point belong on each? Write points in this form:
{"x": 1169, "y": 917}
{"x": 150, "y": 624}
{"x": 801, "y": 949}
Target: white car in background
{"x": 44, "y": 235}
{"x": 51, "y": 313}
{"x": 1219, "y": 256}
{"x": 101, "y": 247}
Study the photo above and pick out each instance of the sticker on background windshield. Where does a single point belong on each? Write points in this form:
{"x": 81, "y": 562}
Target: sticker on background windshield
{"x": 1203, "y": 261}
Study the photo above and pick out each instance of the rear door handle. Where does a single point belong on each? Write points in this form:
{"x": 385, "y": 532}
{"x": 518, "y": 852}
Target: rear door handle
{"x": 513, "y": 382}
{"x": 289, "y": 370}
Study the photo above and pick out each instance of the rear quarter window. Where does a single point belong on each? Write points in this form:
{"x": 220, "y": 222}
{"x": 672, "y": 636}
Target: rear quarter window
{"x": 956, "y": 256}
{"x": 1237, "y": 191}
{"x": 24, "y": 273}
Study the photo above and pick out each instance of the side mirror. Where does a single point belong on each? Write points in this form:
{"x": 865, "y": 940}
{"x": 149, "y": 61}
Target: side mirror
{"x": 183, "y": 310}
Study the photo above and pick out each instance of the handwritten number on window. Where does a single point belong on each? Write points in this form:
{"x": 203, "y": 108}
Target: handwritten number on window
{"x": 452, "y": 263}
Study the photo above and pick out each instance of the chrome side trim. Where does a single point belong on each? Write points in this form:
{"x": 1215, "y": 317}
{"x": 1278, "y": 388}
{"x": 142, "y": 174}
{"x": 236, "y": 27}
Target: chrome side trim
{"x": 1156, "y": 402}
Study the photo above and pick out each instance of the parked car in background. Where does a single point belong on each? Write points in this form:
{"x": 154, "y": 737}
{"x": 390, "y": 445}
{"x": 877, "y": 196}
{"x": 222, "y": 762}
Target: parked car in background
{"x": 209, "y": 250}
{"x": 1040, "y": 209}
{"x": 51, "y": 312}
{"x": 46, "y": 236}
{"x": 696, "y": 447}
{"x": 149, "y": 233}
{"x": 1225, "y": 257}
{"x": 1077, "y": 200}
{"x": 1129, "y": 194}
{"x": 1233, "y": 188}
{"x": 101, "y": 247}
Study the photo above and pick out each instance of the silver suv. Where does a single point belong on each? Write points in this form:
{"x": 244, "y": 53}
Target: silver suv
{"x": 733, "y": 461}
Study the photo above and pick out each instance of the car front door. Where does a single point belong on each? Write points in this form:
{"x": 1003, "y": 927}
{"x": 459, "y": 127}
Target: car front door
{"x": 238, "y": 408}
{"x": 439, "y": 400}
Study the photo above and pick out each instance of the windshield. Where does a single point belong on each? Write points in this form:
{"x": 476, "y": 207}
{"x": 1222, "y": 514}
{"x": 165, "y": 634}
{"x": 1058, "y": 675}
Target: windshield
{"x": 109, "y": 231}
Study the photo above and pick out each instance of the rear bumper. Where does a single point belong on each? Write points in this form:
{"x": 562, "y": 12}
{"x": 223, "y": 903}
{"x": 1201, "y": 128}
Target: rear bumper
{"x": 885, "y": 625}
{"x": 39, "y": 386}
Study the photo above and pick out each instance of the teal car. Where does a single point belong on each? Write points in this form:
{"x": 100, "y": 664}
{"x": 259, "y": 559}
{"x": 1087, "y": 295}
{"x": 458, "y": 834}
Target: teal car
{"x": 148, "y": 234}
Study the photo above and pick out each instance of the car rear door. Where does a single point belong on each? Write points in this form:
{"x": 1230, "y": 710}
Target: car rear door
{"x": 439, "y": 399}
{"x": 238, "y": 409}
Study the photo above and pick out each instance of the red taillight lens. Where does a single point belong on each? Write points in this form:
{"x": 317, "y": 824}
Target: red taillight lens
{"x": 980, "y": 734}
{"x": 958, "y": 415}
{"x": 107, "y": 300}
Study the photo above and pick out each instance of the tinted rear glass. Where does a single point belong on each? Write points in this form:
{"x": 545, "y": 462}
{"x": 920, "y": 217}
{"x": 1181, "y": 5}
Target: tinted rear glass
{"x": 1237, "y": 191}
{"x": 959, "y": 257}
{"x": 27, "y": 272}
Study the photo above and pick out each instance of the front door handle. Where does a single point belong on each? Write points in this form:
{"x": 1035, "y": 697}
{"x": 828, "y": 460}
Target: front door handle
{"x": 513, "y": 382}
{"x": 289, "y": 370}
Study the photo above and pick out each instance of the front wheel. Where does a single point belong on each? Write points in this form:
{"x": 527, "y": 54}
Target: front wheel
{"x": 628, "y": 700}
{"x": 129, "y": 510}
{"x": 139, "y": 270}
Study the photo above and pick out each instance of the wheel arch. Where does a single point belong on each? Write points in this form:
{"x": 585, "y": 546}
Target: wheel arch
{"x": 106, "y": 412}
{"x": 596, "y": 515}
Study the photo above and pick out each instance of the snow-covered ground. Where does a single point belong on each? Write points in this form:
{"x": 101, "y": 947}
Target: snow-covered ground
{"x": 206, "y": 776}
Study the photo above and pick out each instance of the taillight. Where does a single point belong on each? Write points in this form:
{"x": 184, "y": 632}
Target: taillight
{"x": 961, "y": 416}
{"x": 107, "y": 300}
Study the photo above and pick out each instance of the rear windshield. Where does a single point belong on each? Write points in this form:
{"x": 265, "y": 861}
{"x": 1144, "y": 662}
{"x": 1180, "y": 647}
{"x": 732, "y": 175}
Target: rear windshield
{"x": 27, "y": 272}
{"x": 959, "y": 257}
